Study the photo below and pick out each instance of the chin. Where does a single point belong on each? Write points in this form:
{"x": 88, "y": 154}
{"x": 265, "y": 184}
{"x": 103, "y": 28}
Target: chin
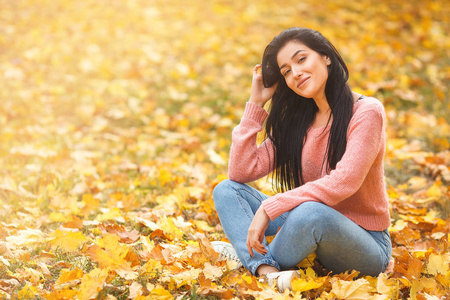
{"x": 304, "y": 95}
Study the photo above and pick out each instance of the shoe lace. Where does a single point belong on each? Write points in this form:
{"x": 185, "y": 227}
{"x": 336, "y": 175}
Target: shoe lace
{"x": 226, "y": 254}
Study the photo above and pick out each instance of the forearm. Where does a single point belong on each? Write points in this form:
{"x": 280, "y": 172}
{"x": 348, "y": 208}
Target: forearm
{"x": 248, "y": 161}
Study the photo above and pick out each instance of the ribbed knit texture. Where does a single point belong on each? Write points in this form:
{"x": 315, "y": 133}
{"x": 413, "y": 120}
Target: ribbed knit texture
{"x": 356, "y": 188}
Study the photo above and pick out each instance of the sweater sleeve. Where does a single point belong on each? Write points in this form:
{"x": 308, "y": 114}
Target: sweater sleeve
{"x": 364, "y": 142}
{"x": 249, "y": 162}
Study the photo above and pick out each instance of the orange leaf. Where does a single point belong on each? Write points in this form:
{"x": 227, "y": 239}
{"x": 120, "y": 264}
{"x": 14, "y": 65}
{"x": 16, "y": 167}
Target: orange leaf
{"x": 69, "y": 275}
{"x": 207, "y": 249}
{"x": 74, "y": 223}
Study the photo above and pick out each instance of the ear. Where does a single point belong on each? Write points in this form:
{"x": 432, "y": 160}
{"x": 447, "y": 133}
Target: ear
{"x": 327, "y": 60}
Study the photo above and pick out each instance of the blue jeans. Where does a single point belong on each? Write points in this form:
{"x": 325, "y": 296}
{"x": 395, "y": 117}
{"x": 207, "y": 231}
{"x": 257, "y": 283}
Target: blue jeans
{"x": 338, "y": 242}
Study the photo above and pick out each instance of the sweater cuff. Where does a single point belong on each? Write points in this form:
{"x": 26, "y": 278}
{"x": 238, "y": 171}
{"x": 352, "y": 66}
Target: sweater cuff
{"x": 272, "y": 208}
{"x": 255, "y": 112}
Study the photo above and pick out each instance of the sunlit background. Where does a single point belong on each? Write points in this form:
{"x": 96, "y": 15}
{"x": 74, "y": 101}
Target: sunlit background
{"x": 109, "y": 108}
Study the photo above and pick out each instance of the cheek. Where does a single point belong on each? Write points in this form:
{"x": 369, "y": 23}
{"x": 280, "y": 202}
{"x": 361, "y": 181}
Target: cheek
{"x": 323, "y": 72}
{"x": 290, "y": 82}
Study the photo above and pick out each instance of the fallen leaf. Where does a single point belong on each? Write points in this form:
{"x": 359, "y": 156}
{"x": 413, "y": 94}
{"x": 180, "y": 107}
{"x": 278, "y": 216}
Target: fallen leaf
{"x": 69, "y": 241}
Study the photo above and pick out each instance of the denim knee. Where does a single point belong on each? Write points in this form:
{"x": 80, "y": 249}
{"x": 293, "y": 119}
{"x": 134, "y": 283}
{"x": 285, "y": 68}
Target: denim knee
{"x": 223, "y": 189}
{"x": 309, "y": 213}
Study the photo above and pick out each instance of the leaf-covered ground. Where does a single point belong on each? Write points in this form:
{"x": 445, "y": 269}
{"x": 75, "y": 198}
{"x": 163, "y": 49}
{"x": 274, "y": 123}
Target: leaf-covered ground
{"x": 115, "y": 124}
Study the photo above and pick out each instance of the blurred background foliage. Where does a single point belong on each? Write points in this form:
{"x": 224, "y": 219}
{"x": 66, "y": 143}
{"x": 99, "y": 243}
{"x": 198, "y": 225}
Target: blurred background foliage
{"x": 93, "y": 88}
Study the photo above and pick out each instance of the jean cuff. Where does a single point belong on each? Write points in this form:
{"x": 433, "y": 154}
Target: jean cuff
{"x": 265, "y": 261}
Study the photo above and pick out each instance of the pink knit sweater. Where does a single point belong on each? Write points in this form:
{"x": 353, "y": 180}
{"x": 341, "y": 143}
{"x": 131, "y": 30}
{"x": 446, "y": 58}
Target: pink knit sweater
{"x": 356, "y": 188}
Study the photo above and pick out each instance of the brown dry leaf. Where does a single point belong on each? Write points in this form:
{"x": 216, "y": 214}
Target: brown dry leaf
{"x": 43, "y": 268}
{"x": 8, "y": 285}
{"x": 162, "y": 254}
{"x": 207, "y": 249}
{"x": 215, "y": 291}
{"x": 120, "y": 231}
{"x": 195, "y": 257}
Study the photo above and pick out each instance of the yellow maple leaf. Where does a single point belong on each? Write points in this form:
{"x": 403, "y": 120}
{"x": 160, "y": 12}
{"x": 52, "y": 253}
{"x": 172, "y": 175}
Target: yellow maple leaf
{"x": 90, "y": 204}
{"x": 427, "y": 284}
{"x": 386, "y": 286}
{"x": 302, "y": 285}
{"x": 358, "y": 289}
{"x": 152, "y": 267}
{"x": 168, "y": 227}
{"x": 308, "y": 261}
{"x": 27, "y": 292}
{"x": 104, "y": 258}
{"x": 66, "y": 293}
{"x": 69, "y": 275}
{"x": 57, "y": 217}
{"x": 91, "y": 284}
{"x": 186, "y": 277}
{"x": 438, "y": 263}
{"x": 158, "y": 292}
{"x": 435, "y": 190}
{"x": 110, "y": 242}
{"x": 111, "y": 214}
{"x": 164, "y": 177}
{"x": 212, "y": 272}
{"x": 68, "y": 241}
{"x": 112, "y": 256}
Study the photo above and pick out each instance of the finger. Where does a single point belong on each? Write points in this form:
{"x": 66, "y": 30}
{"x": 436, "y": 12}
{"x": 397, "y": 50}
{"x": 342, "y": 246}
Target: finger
{"x": 257, "y": 246}
{"x": 260, "y": 245}
{"x": 256, "y": 68}
{"x": 260, "y": 248}
{"x": 249, "y": 248}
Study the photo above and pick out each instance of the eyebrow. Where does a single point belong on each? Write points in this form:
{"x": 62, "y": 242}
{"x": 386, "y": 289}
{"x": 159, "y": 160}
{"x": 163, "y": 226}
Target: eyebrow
{"x": 292, "y": 57}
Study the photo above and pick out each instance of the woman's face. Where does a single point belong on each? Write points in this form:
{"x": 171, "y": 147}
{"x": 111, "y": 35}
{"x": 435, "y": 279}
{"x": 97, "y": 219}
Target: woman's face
{"x": 304, "y": 70}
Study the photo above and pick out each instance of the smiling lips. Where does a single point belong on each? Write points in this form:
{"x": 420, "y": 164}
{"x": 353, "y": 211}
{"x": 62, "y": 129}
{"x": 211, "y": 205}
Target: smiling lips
{"x": 302, "y": 82}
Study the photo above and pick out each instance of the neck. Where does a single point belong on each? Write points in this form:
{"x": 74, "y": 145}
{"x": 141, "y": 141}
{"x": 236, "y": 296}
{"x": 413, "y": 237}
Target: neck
{"x": 322, "y": 104}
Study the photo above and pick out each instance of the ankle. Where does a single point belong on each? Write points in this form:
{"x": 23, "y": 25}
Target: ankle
{"x": 266, "y": 269}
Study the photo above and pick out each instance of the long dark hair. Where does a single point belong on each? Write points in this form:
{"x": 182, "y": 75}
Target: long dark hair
{"x": 291, "y": 115}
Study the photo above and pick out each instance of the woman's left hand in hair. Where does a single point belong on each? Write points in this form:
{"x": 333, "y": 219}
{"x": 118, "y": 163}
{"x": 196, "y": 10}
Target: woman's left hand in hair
{"x": 256, "y": 232}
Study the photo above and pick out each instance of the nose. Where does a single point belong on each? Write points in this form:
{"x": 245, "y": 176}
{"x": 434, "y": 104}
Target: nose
{"x": 297, "y": 72}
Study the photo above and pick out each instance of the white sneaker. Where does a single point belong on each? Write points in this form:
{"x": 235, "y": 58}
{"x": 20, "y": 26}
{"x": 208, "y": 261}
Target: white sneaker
{"x": 226, "y": 252}
{"x": 282, "y": 280}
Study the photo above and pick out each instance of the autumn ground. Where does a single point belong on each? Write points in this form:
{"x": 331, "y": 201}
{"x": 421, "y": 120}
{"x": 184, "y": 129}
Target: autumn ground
{"x": 115, "y": 127}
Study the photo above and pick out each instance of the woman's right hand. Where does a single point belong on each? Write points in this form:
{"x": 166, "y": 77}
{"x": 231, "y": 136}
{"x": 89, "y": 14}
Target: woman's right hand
{"x": 260, "y": 94}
